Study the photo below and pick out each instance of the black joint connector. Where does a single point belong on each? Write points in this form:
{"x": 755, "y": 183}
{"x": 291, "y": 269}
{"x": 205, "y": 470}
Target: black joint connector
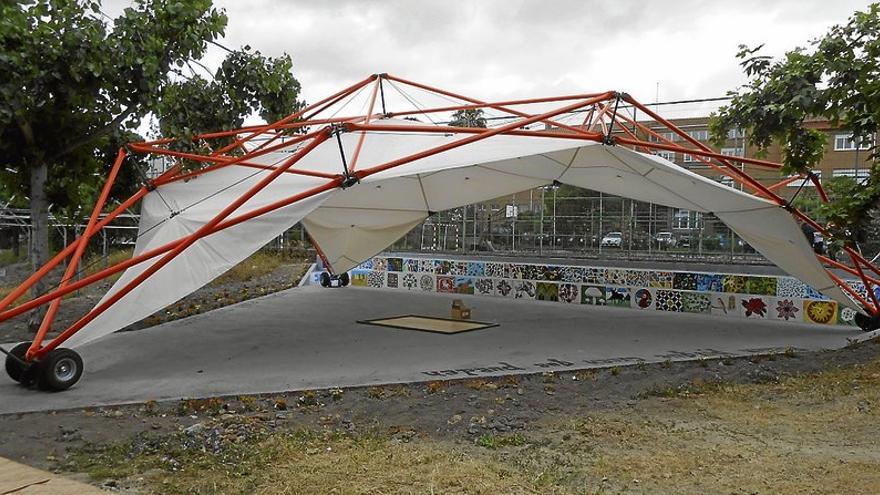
{"x": 174, "y": 214}
{"x": 787, "y": 207}
{"x": 623, "y": 96}
{"x": 150, "y": 185}
{"x": 556, "y": 183}
{"x": 349, "y": 180}
{"x": 609, "y": 140}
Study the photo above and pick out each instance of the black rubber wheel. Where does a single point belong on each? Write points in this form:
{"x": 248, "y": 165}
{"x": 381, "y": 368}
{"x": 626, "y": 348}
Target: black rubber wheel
{"x": 325, "y": 279}
{"x": 344, "y": 279}
{"x": 60, "y": 369}
{"x": 14, "y": 368}
{"x": 867, "y": 323}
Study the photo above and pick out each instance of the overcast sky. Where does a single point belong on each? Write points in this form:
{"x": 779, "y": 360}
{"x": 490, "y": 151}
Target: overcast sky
{"x": 496, "y": 49}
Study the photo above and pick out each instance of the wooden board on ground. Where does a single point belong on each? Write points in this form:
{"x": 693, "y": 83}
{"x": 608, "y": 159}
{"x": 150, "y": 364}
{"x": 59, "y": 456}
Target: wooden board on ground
{"x": 429, "y": 324}
{"x": 24, "y": 480}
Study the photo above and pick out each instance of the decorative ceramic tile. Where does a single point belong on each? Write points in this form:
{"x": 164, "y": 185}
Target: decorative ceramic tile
{"x": 822, "y": 312}
{"x": 484, "y": 287}
{"x": 410, "y": 281}
{"x": 572, "y": 274}
{"x": 668, "y": 300}
{"x": 660, "y": 280}
{"x": 392, "y": 280}
{"x": 754, "y": 307}
{"x": 395, "y": 264}
{"x": 443, "y": 267}
{"x": 637, "y": 278}
{"x": 546, "y": 291}
{"x": 380, "y": 264}
{"x": 410, "y": 265}
{"x": 569, "y": 293}
{"x": 428, "y": 266}
{"x": 495, "y": 270}
{"x": 735, "y": 284}
{"x": 811, "y": 293}
{"x": 524, "y": 289}
{"x": 459, "y": 268}
{"x": 615, "y": 276}
{"x": 787, "y": 309}
{"x": 516, "y": 270}
{"x": 445, "y": 283}
{"x": 618, "y": 296}
{"x": 789, "y": 287}
{"x": 593, "y": 294}
{"x": 476, "y": 269}
{"x": 376, "y": 279}
{"x": 594, "y": 275}
{"x": 846, "y": 316}
{"x": 533, "y": 272}
{"x": 696, "y": 302}
{"x": 426, "y": 282}
{"x": 643, "y": 299}
{"x": 724, "y": 304}
{"x": 366, "y": 265}
{"x": 552, "y": 273}
{"x": 709, "y": 282}
{"x": 360, "y": 278}
{"x": 684, "y": 281}
{"x": 464, "y": 285}
{"x": 503, "y": 288}
{"x": 761, "y": 286}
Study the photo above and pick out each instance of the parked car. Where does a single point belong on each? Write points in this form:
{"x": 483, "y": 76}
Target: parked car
{"x": 665, "y": 240}
{"x": 613, "y": 239}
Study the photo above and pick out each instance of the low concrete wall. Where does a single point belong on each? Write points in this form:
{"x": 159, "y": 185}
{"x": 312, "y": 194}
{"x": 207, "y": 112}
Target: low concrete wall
{"x": 729, "y": 295}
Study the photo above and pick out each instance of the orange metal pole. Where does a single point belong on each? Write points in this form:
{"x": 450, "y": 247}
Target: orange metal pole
{"x": 357, "y": 150}
{"x": 843, "y": 285}
{"x": 72, "y": 265}
{"x": 497, "y": 106}
{"x": 477, "y": 137}
{"x": 45, "y": 269}
{"x": 190, "y": 240}
{"x": 296, "y": 115}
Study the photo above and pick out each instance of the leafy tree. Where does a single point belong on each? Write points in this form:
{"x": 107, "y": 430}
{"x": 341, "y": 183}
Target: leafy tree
{"x": 471, "y": 117}
{"x": 75, "y": 84}
{"x": 834, "y": 78}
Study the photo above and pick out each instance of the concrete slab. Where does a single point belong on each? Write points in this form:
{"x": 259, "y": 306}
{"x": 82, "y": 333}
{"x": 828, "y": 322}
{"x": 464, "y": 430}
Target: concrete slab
{"x": 24, "y": 480}
{"x": 308, "y": 337}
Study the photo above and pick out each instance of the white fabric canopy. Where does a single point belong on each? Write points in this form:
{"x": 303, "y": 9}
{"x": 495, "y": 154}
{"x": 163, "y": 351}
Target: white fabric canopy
{"x": 351, "y": 225}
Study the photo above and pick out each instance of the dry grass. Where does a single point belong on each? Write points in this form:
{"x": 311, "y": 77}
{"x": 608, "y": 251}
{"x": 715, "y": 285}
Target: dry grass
{"x": 813, "y": 434}
{"x": 257, "y": 265}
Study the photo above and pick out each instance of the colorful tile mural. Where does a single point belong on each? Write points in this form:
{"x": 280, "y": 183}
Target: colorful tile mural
{"x": 746, "y": 296}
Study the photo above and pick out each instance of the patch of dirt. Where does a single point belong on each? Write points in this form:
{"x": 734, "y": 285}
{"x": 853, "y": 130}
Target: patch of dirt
{"x": 786, "y": 423}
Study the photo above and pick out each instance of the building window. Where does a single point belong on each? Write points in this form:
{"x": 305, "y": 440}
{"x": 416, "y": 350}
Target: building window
{"x": 686, "y": 219}
{"x": 689, "y": 158}
{"x": 727, "y": 181}
{"x": 667, "y": 155}
{"x": 845, "y": 142}
{"x": 668, "y": 136}
{"x": 735, "y": 134}
{"x": 858, "y": 175}
{"x": 809, "y": 183}
{"x": 701, "y": 135}
{"x": 732, "y": 152}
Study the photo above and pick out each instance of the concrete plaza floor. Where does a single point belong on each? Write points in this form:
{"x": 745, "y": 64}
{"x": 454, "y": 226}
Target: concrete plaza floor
{"x": 308, "y": 337}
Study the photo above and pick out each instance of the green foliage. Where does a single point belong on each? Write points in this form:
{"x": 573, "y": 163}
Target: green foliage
{"x": 835, "y": 79}
{"x": 471, "y": 117}
{"x": 75, "y": 84}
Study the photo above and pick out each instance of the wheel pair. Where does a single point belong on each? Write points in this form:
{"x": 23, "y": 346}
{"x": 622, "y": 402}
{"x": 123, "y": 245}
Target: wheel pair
{"x": 59, "y": 370}
{"x": 867, "y": 323}
{"x": 328, "y": 280}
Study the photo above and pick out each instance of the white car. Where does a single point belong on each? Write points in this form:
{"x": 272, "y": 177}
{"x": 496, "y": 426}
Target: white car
{"x": 665, "y": 240}
{"x": 612, "y": 239}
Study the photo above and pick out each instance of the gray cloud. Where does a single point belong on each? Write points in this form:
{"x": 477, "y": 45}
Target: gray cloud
{"x": 504, "y": 48}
